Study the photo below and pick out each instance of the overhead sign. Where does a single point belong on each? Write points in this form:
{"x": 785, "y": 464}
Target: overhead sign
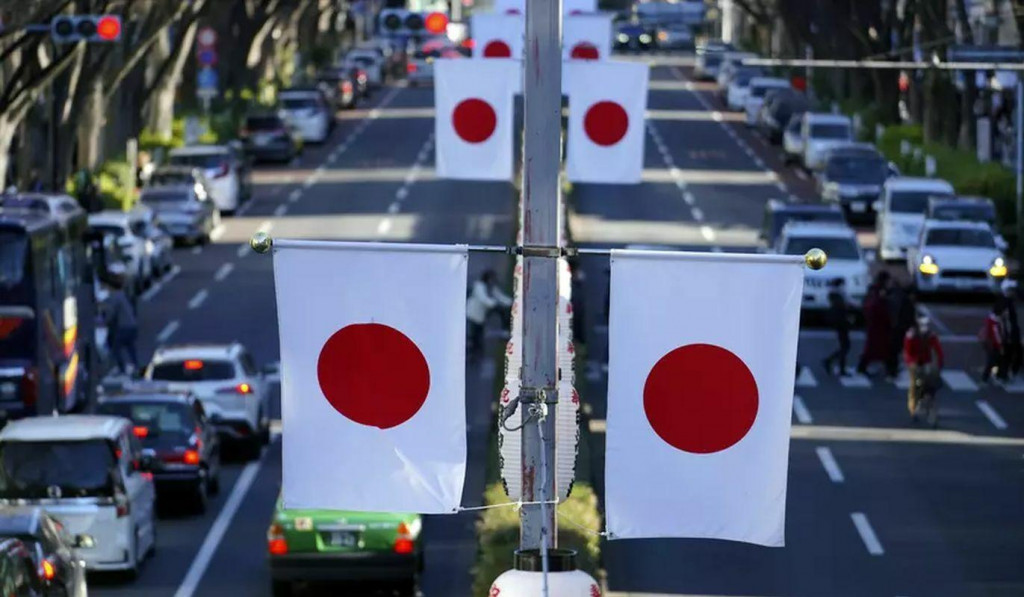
{"x": 207, "y": 37}
{"x": 207, "y": 57}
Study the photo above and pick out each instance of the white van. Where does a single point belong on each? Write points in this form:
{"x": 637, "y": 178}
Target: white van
{"x": 88, "y": 472}
{"x": 822, "y": 132}
{"x": 901, "y": 212}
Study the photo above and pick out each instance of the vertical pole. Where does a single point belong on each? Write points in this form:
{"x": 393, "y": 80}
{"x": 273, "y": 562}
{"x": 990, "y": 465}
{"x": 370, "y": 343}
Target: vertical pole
{"x": 542, "y": 99}
{"x": 54, "y": 138}
{"x": 1020, "y": 165}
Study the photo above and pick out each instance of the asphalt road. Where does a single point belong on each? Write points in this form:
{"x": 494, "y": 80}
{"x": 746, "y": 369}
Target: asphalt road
{"x": 876, "y": 507}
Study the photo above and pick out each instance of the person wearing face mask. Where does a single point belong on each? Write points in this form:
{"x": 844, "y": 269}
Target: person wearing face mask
{"x": 922, "y": 353}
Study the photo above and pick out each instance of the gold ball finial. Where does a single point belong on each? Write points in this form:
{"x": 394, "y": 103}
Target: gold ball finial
{"x": 261, "y": 242}
{"x": 815, "y": 259}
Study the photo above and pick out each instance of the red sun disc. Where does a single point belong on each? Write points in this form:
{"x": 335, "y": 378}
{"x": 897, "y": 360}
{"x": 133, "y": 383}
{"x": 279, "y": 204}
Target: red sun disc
{"x": 373, "y": 374}
{"x": 701, "y": 398}
{"x": 606, "y": 123}
{"x": 497, "y": 49}
{"x": 584, "y": 51}
{"x": 474, "y": 120}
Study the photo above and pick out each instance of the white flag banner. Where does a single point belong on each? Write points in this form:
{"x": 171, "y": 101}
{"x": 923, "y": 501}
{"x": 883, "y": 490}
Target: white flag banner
{"x": 607, "y": 101}
{"x": 498, "y": 35}
{"x": 575, "y": 7}
{"x": 510, "y": 7}
{"x": 474, "y": 114}
{"x": 587, "y": 37}
{"x": 700, "y": 390}
{"x": 372, "y": 375}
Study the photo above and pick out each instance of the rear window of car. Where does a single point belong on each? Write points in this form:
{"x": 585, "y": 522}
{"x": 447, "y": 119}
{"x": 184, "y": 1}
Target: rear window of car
{"x": 191, "y": 370}
{"x": 169, "y": 178}
{"x": 971, "y": 213}
{"x": 108, "y": 230}
{"x": 159, "y": 418}
{"x": 844, "y": 249}
{"x": 163, "y": 198}
{"x": 830, "y": 131}
{"x": 299, "y": 103}
{"x": 200, "y": 160}
{"x": 263, "y": 123}
{"x": 957, "y": 237}
{"x": 910, "y": 202}
{"x": 38, "y": 469}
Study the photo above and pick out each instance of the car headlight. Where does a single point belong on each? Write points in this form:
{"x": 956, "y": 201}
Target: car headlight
{"x": 928, "y": 266}
{"x": 662, "y": 36}
{"x": 644, "y": 38}
{"x": 998, "y": 269}
{"x": 622, "y": 37}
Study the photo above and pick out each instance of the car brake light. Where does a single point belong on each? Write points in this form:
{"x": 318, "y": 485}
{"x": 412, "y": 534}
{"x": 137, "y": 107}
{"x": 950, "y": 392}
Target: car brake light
{"x": 346, "y": 87}
{"x": 404, "y": 543}
{"x": 242, "y": 388}
{"x": 193, "y": 365}
{"x": 47, "y": 571}
{"x": 29, "y": 388}
{"x": 411, "y": 68}
{"x": 123, "y": 506}
{"x": 140, "y": 431}
{"x": 190, "y": 457}
{"x": 276, "y": 543}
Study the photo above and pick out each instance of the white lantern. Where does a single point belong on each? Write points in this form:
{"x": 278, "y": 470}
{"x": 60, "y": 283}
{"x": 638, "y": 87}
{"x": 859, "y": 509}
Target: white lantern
{"x": 527, "y": 579}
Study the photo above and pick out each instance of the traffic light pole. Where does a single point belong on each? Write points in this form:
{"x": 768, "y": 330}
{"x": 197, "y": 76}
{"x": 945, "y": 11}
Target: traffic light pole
{"x": 542, "y": 99}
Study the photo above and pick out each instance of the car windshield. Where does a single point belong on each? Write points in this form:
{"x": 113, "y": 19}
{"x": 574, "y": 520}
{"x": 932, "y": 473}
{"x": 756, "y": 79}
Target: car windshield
{"x": 830, "y": 131}
{"x": 909, "y": 202}
{"x": 960, "y": 237}
{"x": 264, "y": 123}
{"x": 161, "y": 419}
{"x": 164, "y": 197}
{"x": 199, "y": 160}
{"x": 169, "y": 178}
{"x": 192, "y": 370}
{"x": 30, "y": 470}
{"x": 972, "y": 213}
{"x": 13, "y": 249}
{"x": 842, "y": 249}
{"x": 864, "y": 170}
{"x": 108, "y": 230}
{"x": 298, "y": 103}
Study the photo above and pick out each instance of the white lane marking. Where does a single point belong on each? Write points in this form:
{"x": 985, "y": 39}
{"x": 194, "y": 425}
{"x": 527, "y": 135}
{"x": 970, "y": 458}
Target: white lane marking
{"x": 309, "y": 182}
{"x": 197, "y": 249}
{"x": 224, "y": 271}
{"x": 243, "y": 250}
{"x": 716, "y": 116}
{"x": 393, "y": 208}
{"x": 295, "y": 195}
{"x": 697, "y": 214}
{"x": 831, "y": 466}
{"x": 168, "y": 331}
{"x": 707, "y": 233}
{"x": 681, "y": 184}
{"x": 265, "y": 226}
{"x": 803, "y": 415}
{"x": 217, "y": 232}
{"x": 801, "y": 174}
{"x": 319, "y": 171}
{"x": 990, "y": 413}
{"x": 759, "y": 163}
{"x": 959, "y": 381}
{"x": 281, "y": 210}
{"x": 941, "y": 327}
{"x": 158, "y": 286}
{"x": 855, "y": 380}
{"x": 793, "y": 198}
{"x": 781, "y": 186}
{"x": 402, "y": 193}
{"x": 867, "y": 534}
{"x": 331, "y": 158}
{"x": 245, "y": 207}
{"x": 384, "y": 227}
{"x": 217, "y": 531}
{"x": 903, "y": 380}
{"x": 689, "y": 198}
{"x": 197, "y": 301}
{"x": 806, "y": 378}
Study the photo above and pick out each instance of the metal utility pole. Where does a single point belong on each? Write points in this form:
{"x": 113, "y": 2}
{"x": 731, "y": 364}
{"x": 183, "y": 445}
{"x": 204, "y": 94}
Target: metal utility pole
{"x": 1020, "y": 165}
{"x": 542, "y": 99}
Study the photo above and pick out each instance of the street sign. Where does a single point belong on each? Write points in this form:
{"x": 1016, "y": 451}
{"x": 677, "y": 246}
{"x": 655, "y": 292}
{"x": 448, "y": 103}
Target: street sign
{"x": 206, "y": 57}
{"x": 207, "y": 79}
{"x": 206, "y": 38}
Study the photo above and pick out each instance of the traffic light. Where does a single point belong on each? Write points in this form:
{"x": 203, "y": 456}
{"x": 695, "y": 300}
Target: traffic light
{"x": 88, "y": 28}
{"x": 414, "y": 22}
{"x": 392, "y": 21}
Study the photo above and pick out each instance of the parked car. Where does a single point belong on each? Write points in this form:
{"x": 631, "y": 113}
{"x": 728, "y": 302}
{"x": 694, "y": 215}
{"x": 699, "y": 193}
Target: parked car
{"x": 820, "y": 132}
{"x": 308, "y": 112}
{"x": 709, "y": 59}
{"x": 173, "y": 176}
{"x": 967, "y": 209}
{"x": 173, "y": 428}
{"x": 371, "y": 61}
{"x": 900, "y": 213}
{"x": 332, "y": 545}
{"x": 732, "y": 61}
{"x": 739, "y": 86}
{"x": 87, "y": 471}
{"x": 852, "y": 178}
{"x": 52, "y": 549}
{"x": 18, "y": 576}
{"x": 953, "y": 256}
{"x": 187, "y": 216}
{"x": 226, "y": 169}
{"x": 845, "y": 261}
{"x": 128, "y": 230}
{"x": 780, "y": 105}
{"x": 778, "y": 213}
{"x": 267, "y": 137}
{"x": 234, "y": 393}
{"x": 758, "y": 87}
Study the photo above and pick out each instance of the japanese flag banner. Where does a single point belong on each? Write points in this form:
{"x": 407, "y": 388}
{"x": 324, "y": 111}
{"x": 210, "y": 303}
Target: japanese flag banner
{"x": 587, "y": 37}
{"x": 607, "y": 101}
{"x": 474, "y": 114}
{"x": 372, "y": 375}
{"x": 498, "y": 36}
{"x": 702, "y": 357}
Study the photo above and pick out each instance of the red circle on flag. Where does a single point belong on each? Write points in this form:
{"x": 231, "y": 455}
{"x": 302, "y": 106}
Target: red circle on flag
{"x": 606, "y": 123}
{"x": 373, "y": 374}
{"x": 700, "y": 398}
{"x": 474, "y": 120}
{"x": 497, "y": 49}
{"x": 513, "y": 11}
{"x": 584, "y": 51}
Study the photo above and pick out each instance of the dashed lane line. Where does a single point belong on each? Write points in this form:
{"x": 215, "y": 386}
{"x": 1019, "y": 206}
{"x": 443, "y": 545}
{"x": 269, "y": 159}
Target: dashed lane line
{"x": 698, "y": 214}
{"x": 224, "y": 271}
{"x": 168, "y": 331}
{"x": 867, "y": 534}
{"x": 281, "y": 210}
{"x": 295, "y": 195}
{"x": 265, "y": 226}
{"x": 393, "y": 208}
{"x": 197, "y": 301}
{"x": 196, "y": 250}
{"x": 708, "y": 233}
{"x": 828, "y": 461}
{"x": 990, "y": 413}
{"x": 159, "y": 284}
{"x": 243, "y": 250}
{"x": 800, "y": 410}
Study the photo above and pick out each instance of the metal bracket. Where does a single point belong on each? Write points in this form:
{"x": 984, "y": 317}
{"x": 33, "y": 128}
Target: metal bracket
{"x": 539, "y": 251}
{"x": 548, "y": 395}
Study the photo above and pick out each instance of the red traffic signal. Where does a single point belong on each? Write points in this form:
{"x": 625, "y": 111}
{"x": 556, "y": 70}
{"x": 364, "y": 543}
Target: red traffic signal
{"x": 108, "y": 28}
{"x": 67, "y": 29}
{"x": 436, "y": 22}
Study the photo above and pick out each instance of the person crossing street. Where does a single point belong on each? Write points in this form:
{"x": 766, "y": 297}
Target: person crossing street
{"x": 839, "y": 319}
{"x": 484, "y": 297}
{"x": 922, "y": 354}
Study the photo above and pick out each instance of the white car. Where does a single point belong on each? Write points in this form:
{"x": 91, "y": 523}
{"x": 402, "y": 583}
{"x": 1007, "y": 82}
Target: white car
{"x": 306, "y": 111}
{"x": 900, "y": 213}
{"x": 739, "y": 87}
{"x": 87, "y": 471}
{"x": 709, "y": 59}
{"x": 758, "y": 87}
{"x": 129, "y": 231}
{"x": 731, "y": 62}
{"x": 845, "y": 260}
{"x": 224, "y": 378}
{"x": 820, "y": 133}
{"x": 956, "y": 256}
{"x": 223, "y": 169}
{"x": 793, "y": 141}
{"x": 370, "y": 60}
{"x": 161, "y": 244}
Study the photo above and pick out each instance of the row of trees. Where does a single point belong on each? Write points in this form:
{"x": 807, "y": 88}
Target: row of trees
{"x": 100, "y": 95}
{"x": 859, "y": 29}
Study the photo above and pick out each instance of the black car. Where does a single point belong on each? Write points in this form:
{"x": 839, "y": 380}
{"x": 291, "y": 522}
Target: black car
{"x": 180, "y": 442}
{"x": 852, "y": 179}
{"x": 51, "y": 548}
{"x": 634, "y": 37}
{"x": 778, "y": 213}
{"x": 781, "y": 105}
{"x": 17, "y": 575}
{"x": 267, "y": 137}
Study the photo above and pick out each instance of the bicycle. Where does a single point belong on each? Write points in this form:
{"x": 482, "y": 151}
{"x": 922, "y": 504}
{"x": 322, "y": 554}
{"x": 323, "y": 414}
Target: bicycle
{"x": 926, "y": 385}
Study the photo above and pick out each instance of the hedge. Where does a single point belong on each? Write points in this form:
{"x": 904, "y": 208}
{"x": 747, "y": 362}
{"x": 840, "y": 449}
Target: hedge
{"x": 498, "y": 534}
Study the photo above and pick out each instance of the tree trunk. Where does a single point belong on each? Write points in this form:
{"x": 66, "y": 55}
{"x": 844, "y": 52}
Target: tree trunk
{"x": 7, "y": 130}
{"x": 90, "y": 127}
{"x": 160, "y": 105}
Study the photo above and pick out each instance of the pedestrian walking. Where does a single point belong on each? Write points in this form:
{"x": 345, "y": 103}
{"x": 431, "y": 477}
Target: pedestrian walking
{"x": 991, "y": 337}
{"x": 903, "y": 306}
{"x": 122, "y": 325}
{"x": 1013, "y": 349}
{"x": 878, "y": 324}
{"x": 484, "y": 298}
{"x": 839, "y": 320}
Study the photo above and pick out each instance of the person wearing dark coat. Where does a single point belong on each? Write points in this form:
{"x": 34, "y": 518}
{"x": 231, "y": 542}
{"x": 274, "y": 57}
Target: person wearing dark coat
{"x": 878, "y": 325}
{"x": 839, "y": 319}
{"x": 903, "y": 303}
{"x": 1013, "y": 353}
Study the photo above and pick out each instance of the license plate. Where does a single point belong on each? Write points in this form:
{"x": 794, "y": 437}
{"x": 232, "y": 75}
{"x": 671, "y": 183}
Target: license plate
{"x": 858, "y": 207}
{"x": 342, "y": 539}
{"x": 262, "y": 140}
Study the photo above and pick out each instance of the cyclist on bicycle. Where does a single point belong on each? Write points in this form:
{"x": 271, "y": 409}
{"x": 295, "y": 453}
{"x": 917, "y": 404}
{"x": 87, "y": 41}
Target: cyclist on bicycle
{"x": 922, "y": 352}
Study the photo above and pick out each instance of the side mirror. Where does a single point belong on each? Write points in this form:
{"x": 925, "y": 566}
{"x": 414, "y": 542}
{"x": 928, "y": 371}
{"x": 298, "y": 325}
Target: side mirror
{"x": 84, "y": 542}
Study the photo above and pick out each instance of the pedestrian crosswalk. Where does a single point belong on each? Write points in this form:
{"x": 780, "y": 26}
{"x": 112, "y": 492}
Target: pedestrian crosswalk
{"x": 955, "y": 380}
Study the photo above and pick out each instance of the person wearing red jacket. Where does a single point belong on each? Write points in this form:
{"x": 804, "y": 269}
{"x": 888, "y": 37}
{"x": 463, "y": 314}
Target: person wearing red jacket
{"x": 922, "y": 353}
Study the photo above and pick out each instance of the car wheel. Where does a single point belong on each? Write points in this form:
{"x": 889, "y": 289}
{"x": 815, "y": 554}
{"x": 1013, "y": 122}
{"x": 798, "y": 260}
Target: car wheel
{"x": 407, "y": 588}
{"x": 200, "y": 495}
{"x": 133, "y": 571}
{"x": 264, "y": 430}
{"x": 213, "y": 482}
{"x": 254, "y": 446}
{"x": 281, "y": 588}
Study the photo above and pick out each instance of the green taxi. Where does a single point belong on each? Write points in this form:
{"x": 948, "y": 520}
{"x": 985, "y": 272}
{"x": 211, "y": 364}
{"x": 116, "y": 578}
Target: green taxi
{"x": 335, "y": 545}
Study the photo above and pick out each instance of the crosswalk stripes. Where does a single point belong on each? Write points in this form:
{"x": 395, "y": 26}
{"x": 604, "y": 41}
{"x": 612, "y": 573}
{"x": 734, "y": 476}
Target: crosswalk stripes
{"x": 806, "y": 379}
{"x": 903, "y": 380}
{"x": 855, "y": 380}
{"x": 956, "y": 380}
{"x": 959, "y": 381}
